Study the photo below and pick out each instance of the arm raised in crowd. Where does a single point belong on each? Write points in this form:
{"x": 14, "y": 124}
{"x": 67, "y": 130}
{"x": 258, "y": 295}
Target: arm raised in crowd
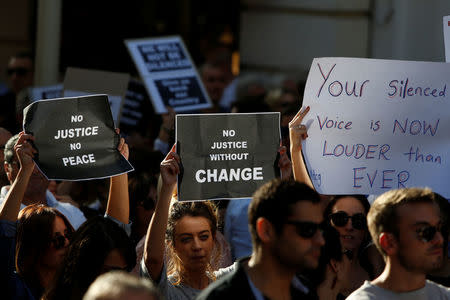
{"x": 118, "y": 205}
{"x": 25, "y": 153}
{"x": 155, "y": 239}
{"x": 297, "y": 133}
{"x": 284, "y": 163}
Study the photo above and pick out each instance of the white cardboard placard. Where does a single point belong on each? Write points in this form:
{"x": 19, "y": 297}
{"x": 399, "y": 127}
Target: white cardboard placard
{"x": 376, "y": 125}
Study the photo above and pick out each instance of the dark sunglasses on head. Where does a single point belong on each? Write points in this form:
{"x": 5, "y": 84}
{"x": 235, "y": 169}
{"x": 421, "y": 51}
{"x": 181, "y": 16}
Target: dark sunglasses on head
{"x": 340, "y": 219}
{"x": 306, "y": 229}
{"x": 427, "y": 233}
{"x": 59, "y": 240}
{"x": 18, "y": 71}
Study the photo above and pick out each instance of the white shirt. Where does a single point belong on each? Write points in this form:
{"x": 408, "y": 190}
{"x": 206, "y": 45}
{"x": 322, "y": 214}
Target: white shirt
{"x": 72, "y": 213}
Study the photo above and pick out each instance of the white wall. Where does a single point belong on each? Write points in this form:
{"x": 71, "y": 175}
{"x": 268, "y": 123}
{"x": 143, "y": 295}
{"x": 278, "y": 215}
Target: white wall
{"x": 285, "y": 35}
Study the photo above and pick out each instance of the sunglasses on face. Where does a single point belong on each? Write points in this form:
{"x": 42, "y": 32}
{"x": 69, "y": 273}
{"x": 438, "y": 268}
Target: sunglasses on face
{"x": 427, "y": 233}
{"x": 18, "y": 71}
{"x": 340, "y": 219}
{"x": 59, "y": 240}
{"x": 306, "y": 229}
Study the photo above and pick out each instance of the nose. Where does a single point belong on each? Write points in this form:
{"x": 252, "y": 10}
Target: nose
{"x": 196, "y": 245}
{"x": 349, "y": 225}
{"x": 438, "y": 238}
{"x": 319, "y": 239}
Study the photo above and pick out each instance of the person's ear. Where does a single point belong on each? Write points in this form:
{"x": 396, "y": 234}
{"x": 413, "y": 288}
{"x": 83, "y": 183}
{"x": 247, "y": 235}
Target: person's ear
{"x": 388, "y": 243}
{"x": 264, "y": 229}
{"x": 8, "y": 171}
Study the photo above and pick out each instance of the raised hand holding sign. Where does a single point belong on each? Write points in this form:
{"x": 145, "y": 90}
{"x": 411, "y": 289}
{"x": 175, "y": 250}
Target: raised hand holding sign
{"x": 75, "y": 138}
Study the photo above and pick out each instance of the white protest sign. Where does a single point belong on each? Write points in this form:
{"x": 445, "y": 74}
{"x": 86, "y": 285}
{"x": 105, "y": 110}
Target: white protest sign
{"x": 168, "y": 73}
{"x": 115, "y": 102}
{"x": 446, "y": 24}
{"x": 376, "y": 125}
{"x": 83, "y": 82}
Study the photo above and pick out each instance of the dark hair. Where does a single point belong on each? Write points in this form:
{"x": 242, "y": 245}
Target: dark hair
{"x": 34, "y": 234}
{"x": 331, "y": 250}
{"x": 334, "y": 199}
{"x": 138, "y": 189}
{"x": 274, "y": 201}
{"x": 9, "y": 148}
{"x": 362, "y": 251}
{"x": 85, "y": 258}
{"x": 179, "y": 210}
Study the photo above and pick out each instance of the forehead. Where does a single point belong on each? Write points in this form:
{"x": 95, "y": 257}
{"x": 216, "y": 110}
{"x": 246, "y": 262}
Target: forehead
{"x": 191, "y": 225}
{"x": 59, "y": 225}
{"x": 307, "y": 211}
{"x": 410, "y": 214}
{"x": 350, "y": 205}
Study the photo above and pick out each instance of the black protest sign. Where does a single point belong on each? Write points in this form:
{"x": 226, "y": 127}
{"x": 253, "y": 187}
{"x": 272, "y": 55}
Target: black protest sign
{"x": 75, "y": 138}
{"x": 164, "y": 56}
{"x": 226, "y": 156}
{"x": 180, "y": 92}
{"x": 169, "y": 74}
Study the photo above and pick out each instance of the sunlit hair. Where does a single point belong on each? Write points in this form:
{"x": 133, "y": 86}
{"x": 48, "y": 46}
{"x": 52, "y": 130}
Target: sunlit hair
{"x": 383, "y": 216}
{"x": 34, "y": 235}
{"x": 179, "y": 210}
{"x": 119, "y": 285}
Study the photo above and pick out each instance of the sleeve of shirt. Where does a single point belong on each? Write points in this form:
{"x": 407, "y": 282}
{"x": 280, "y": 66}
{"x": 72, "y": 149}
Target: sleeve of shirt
{"x": 163, "y": 282}
{"x": 126, "y": 227}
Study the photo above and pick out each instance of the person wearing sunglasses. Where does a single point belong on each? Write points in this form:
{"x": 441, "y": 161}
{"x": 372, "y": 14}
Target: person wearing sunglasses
{"x": 34, "y": 241}
{"x": 406, "y": 227}
{"x": 285, "y": 220}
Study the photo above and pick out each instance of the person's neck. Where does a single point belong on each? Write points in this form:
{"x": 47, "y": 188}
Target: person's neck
{"x": 397, "y": 279}
{"x": 329, "y": 288}
{"x": 46, "y": 276}
{"x": 196, "y": 279}
{"x": 269, "y": 276}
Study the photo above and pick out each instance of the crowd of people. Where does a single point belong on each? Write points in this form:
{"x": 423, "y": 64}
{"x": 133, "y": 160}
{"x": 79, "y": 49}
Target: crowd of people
{"x": 129, "y": 238}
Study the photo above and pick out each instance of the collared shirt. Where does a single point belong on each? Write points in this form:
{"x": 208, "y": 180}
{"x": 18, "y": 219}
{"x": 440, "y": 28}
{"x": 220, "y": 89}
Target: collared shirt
{"x": 72, "y": 213}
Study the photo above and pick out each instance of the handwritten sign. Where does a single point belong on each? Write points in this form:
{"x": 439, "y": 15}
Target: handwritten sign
{"x": 376, "y": 125}
{"x": 446, "y": 24}
{"x": 168, "y": 73}
{"x": 226, "y": 155}
{"x": 75, "y": 138}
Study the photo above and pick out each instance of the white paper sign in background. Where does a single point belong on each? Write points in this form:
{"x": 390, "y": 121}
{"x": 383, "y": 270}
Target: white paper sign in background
{"x": 446, "y": 27}
{"x": 376, "y": 125}
{"x": 169, "y": 74}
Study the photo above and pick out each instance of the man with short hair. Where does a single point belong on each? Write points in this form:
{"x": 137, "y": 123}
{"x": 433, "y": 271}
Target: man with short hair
{"x": 118, "y": 285}
{"x": 405, "y": 225}
{"x": 285, "y": 220}
{"x": 37, "y": 187}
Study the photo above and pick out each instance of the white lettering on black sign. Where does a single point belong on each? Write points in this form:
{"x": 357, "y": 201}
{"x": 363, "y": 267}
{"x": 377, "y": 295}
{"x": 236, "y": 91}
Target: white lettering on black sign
{"x": 77, "y": 132}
